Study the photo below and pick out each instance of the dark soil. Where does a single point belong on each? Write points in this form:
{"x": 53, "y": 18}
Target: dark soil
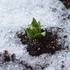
{"x": 47, "y": 44}
{"x": 66, "y": 3}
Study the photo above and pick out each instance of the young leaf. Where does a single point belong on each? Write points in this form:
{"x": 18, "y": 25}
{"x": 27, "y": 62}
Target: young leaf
{"x": 34, "y": 30}
{"x": 29, "y": 33}
{"x": 43, "y": 33}
{"x": 39, "y": 27}
{"x": 34, "y": 23}
{"x": 38, "y": 35}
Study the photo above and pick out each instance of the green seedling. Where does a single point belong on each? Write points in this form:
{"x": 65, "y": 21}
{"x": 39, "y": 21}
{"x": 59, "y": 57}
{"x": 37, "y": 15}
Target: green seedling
{"x": 35, "y": 30}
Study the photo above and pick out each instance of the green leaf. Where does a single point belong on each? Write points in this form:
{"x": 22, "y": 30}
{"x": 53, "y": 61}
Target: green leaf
{"x": 34, "y": 23}
{"x": 39, "y": 27}
{"x": 34, "y": 30}
{"x": 43, "y": 33}
{"x": 29, "y": 32}
{"x": 38, "y": 35}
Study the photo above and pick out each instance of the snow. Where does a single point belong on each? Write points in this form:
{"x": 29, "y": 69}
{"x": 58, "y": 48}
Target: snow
{"x": 17, "y": 14}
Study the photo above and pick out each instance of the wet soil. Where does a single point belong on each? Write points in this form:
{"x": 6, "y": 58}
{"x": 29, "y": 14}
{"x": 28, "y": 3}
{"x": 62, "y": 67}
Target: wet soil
{"x": 66, "y": 3}
{"x": 47, "y": 44}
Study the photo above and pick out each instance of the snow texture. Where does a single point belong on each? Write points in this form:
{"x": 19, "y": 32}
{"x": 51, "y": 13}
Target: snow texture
{"x": 15, "y": 15}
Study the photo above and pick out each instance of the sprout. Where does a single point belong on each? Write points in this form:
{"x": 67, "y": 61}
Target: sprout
{"x": 35, "y": 30}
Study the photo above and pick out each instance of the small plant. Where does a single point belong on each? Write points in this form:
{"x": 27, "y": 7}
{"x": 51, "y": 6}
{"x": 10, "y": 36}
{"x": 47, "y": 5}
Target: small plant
{"x": 35, "y": 30}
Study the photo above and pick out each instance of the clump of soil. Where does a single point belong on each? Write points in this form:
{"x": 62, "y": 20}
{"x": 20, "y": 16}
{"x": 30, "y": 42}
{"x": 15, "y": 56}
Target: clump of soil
{"x": 66, "y": 3}
{"x": 47, "y": 44}
{"x": 6, "y": 57}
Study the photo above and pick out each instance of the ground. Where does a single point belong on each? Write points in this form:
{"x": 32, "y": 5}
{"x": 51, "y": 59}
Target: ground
{"x": 15, "y": 15}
